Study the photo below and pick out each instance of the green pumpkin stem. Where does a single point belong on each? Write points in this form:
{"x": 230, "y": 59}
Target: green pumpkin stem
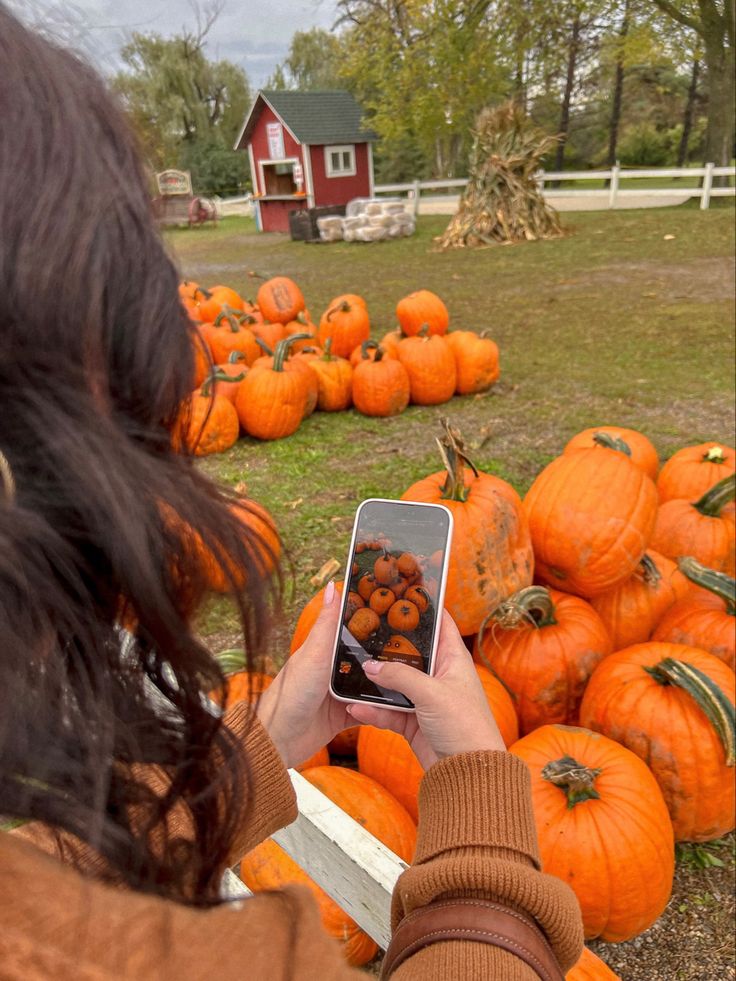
{"x": 366, "y": 345}
{"x": 343, "y": 307}
{"x": 718, "y": 583}
{"x": 263, "y": 346}
{"x": 452, "y": 451}
{"x": 650, "y": 572}
{"x": 577, "y": 781}
{"x": 229, "y": 316}
{"x": 612, "y": 443}
{"x": 236, "y": 356}
{"x": 714, "y": 500}
{"x": 707, "y": 695}
{"x": 328, "y": 355}
{"x": 423, "y": 331}
{"x": 231, "y": 661}
{"x": 532, "y": 605}
{"x": 282, "y": 349}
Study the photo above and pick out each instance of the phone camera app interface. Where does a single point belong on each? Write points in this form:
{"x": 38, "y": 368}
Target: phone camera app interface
{"x": 390, "y": 613}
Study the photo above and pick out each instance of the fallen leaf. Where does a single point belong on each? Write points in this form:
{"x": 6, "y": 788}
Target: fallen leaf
{"x": 668, "y": 238}
{"x": 295, "y": 504}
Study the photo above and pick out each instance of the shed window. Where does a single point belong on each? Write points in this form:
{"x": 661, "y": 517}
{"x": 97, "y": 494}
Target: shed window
{"x": 340, "y": 161}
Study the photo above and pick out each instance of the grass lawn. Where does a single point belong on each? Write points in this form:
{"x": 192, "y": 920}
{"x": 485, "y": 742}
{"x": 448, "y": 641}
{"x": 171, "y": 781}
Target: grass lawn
{"x": 612, "y": 324}
{"x": 628, "y": 320}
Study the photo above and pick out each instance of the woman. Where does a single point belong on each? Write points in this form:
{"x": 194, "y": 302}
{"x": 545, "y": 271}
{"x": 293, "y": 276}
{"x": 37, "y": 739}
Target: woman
{"x": 129, "y": 807}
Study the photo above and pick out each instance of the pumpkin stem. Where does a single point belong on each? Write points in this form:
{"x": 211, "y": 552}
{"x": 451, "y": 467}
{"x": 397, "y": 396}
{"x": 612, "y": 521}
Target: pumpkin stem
{"x": 236, "y": 356}
{"x": 650, "y": 573}
{"x": 343, "y": 307}
{"x": 231, "y": 661}
{"x": 423, "y": 331}
{"x": 612, "y": 443}
{"x": 328, "y": 355}
{"x": 719, "y": 583}
{"x": 365, "y": 346}
{"x": 713, "y": 501}
{"x": 247, "y": 318}
{"x": 229, "y": 317}
{"x": 576, "y": 780}
{"x": 452, "y": 451}
{"x": 532, "y": 605}
{"x": 715, "y": 455}
{"x": 282, "y": 350}
{"x": 707, "y": 695}
{"x": 263, "y": 346}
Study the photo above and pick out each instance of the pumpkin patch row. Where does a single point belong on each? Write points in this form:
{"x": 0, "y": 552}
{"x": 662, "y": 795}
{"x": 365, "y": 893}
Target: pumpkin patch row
{"x": 262, "y": 367}
{"x": 601, "y": 644}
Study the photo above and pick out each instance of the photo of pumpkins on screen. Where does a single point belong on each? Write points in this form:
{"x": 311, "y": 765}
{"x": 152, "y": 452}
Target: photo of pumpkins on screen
{"x": 391, "y": 607}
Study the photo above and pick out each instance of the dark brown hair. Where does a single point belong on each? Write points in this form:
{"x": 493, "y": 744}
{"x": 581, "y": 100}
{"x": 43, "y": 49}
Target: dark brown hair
{"x": 95, "y": 361}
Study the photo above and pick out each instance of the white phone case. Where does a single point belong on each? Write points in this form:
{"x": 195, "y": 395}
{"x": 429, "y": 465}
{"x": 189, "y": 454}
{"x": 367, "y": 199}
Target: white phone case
{"x": 440, "y": 600}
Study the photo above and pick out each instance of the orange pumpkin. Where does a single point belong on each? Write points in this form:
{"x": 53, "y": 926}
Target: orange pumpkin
{"x": 271, "y": 400}
{"x": 672, "y": 705}
{"x": 381, "y": 600}
{"x": 388, "y": 758}
{"x": 320, "y": 758}
{"x": 403, "y": 615}
{"x": 202, "y": 357}
{"x": 543, "y": 645}
{"x": 419, "y": 596}
{"x": 366, "y": 585}
{"x": 603, "y": 828}
{"x": 308, "y": 617}
{"x": 269, "y": 335}
{"x": 491, "y": 555}
{"x": 217, "y": 300}
{"x": 422, "y": 309}
{"x": 385, "y": 569}
{"x": 476, "y": 361}
{"x": 590, "y": 968}
{"x": 335, "y": 380}
{"x": 268, "y": 867}
{"x": 346, "y": 323}
{"x": 210, "y": 424}
{"x": 280, "y": 300}
{"x": 591, "y": 514}
{"x": 430, "y": 364}
{"x": 632, "y": 610}
{"x": 705, "y": 619}
{"x": 643, "y": 453}
{"x": 301, "y": 325}
{"x": 242, "y": 685}
{"x": 381, "y": 386}
{"x": 704, "y": 529}
{"x": 363, "y": 623}
{"x": 229, "y": 336}
{"x": 407, "y": 564}
{"x": 693, "y": 470}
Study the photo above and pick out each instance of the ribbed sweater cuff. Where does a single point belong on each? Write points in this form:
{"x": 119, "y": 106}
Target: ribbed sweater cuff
{"x": 478, "y": 799}
{"x": 272, "y": 801}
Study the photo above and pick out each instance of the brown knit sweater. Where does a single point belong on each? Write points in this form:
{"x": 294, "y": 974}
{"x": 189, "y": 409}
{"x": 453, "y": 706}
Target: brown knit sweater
{"x": 476, "y": 838}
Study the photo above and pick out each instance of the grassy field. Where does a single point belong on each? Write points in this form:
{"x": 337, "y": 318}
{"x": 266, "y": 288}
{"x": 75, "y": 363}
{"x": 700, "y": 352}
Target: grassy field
{"x": 627, "y": 320}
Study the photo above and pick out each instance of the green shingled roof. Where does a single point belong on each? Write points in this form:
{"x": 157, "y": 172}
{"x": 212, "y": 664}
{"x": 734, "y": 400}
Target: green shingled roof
{"x": 313, "y": 117}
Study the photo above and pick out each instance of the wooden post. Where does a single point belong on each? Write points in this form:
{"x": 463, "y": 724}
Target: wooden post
{"x": 613, "y": 188}
{"x": 707, "y": 186}
{"x": 415, "y": 187}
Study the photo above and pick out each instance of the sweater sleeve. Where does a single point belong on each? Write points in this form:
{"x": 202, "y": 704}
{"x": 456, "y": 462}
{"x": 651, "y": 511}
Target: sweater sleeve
{"x": 477, "y": 839}
{"x": 270, "y": 803}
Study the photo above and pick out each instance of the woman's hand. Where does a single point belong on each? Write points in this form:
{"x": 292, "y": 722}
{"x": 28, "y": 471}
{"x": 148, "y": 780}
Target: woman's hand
{"x": 452, "y": 713}
{"x": 297, "y": 710}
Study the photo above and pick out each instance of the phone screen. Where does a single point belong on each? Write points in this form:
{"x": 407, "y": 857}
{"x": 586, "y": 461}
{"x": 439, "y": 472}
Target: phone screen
{"x": 391, "y": 603}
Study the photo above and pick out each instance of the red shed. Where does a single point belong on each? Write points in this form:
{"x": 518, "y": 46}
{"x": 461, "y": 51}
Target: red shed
{"x": 305, "y": 149}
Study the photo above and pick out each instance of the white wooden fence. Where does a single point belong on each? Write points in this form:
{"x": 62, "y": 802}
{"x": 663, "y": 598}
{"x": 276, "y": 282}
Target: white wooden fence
{"x": 610, "y": 194}
{"x": 353, "y": 867}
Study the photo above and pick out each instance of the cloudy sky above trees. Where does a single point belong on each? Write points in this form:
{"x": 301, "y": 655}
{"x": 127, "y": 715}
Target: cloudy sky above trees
{"x": 254, "y": 34}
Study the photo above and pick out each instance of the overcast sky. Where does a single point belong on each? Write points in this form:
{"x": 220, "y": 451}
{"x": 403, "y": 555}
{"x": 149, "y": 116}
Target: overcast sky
{"x": 252, "y": 33}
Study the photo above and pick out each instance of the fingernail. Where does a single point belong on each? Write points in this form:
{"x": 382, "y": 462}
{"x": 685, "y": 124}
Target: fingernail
{"x": 372, "y": 667}
{"x": 329, "y": 593}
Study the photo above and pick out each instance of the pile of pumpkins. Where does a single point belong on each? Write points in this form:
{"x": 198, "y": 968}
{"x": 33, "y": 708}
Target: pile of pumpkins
{"x": 262, "y": 367}
{"x": 602, "y": 627}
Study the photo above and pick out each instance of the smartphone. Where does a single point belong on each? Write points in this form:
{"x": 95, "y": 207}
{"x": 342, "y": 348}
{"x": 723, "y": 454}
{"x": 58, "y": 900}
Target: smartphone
{"x": 393, "y": 596}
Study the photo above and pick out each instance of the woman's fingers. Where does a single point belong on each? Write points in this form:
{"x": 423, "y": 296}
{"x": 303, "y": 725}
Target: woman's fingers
{"x": 373, "y": 715}
{"x": 398, "y": 677}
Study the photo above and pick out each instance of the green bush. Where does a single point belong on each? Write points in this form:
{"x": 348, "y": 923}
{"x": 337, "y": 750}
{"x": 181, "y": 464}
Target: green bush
{"x": 645, "y": 146}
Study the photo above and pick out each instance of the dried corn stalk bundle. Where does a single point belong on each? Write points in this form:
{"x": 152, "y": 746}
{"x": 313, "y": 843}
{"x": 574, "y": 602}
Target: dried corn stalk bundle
{"x": 503, "y": 202}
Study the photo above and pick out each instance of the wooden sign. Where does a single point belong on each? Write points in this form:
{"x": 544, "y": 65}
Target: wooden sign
{"x": 275, "y": 137}
{"x": 174, "y": 182}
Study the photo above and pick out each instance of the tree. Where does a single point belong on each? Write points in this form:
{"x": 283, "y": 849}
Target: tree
{"x": 714, "y": 21}
{"x": 313, "y": 63}
{"x": 186, "y": 109}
